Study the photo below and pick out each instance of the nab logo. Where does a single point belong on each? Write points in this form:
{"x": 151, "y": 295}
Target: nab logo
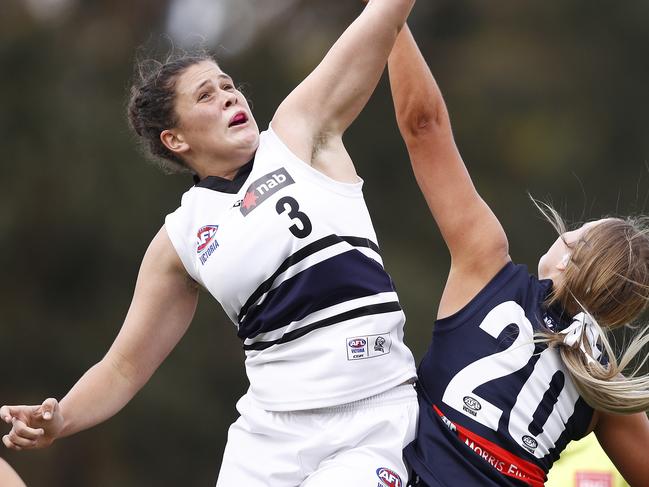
{"x": 263, "y": 188}
{"x": 388, "y": 478}
{"x": 204, "y": 236}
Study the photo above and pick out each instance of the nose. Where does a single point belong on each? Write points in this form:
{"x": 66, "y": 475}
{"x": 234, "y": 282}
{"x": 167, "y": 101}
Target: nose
{"x": 230, "y": 99}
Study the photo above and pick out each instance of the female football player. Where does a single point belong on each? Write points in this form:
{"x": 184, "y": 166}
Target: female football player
{"x": 518, "y": 366}
{"x": 277, "y": 231}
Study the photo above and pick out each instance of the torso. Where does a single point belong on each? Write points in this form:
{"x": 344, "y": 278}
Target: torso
{"x": 496, "y": 408}
{"x": 292, "y": 257}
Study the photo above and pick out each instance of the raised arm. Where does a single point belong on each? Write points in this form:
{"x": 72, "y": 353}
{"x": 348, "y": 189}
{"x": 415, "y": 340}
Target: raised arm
{"x": 312, "y": 119}
{"x": 474, "y": 236}
{"x": 162, "y": 308}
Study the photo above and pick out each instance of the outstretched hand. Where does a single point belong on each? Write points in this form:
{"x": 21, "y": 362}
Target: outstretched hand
{"x": 32, "y": 426}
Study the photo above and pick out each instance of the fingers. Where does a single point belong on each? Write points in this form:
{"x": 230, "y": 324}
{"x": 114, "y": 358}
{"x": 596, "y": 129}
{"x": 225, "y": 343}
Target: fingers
{"x": 24, "y": 431}
{"x": 22, "y": 436}
{"x": 26, "y": 422}
{"x": 24, "y": 413}
{"x": 6, "y": 414}
{"x": 17, "y": 443}
{"x": 7, "y": 442}
{"x": 48, "y": 408}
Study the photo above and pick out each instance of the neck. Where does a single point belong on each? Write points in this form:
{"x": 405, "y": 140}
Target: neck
{"x": 223, "y": 169}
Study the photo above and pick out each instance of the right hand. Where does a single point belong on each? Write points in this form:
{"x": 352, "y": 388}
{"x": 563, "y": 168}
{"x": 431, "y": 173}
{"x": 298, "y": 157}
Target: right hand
{"x": 32, "y": 426}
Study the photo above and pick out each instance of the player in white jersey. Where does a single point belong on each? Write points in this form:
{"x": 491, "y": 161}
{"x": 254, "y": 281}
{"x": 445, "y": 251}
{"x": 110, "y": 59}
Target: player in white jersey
{"x": 277, "y": 231}
{"x": 518, "y": 366}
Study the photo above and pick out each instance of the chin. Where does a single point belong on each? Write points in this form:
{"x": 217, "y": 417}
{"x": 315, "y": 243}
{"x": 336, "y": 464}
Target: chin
{"x": 251, "y": 138}
{"x": 541, "y": 270}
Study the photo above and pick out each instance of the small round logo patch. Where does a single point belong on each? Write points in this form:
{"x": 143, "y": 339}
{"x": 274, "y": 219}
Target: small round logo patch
{"x": 389, "y": 477}
{"x": 530, "y": 442}
{"x": 472, "y": 403}
{"x": 204, "y": 236}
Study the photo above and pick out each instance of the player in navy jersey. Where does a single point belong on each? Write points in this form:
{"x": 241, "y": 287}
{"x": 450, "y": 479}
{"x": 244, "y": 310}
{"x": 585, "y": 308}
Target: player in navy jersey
{"x": 277, "y": 231}
{"x": 518, "y": 365}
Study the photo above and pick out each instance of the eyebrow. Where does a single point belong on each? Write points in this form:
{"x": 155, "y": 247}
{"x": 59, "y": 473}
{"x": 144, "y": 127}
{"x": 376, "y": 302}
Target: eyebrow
{"x": 207, "y": 81}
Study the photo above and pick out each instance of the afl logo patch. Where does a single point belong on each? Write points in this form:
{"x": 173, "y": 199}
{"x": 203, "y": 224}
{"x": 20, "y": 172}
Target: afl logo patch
{"x": 206, "y": 244}
{"x": 530, "y": 442}
{"x": 204, "y": 236}
{"x": 370, "y": 346}
{"x": 472, "y": 403}
{"x": 388, "y": 477}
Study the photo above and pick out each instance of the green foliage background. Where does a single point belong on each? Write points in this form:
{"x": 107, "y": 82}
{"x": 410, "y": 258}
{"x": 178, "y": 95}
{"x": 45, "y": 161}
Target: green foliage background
{"x": 549, "y": 98}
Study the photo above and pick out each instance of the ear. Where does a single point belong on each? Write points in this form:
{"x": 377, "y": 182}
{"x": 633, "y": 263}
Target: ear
{"x": 175, "y": 142}
{"x": 563, "y": 263}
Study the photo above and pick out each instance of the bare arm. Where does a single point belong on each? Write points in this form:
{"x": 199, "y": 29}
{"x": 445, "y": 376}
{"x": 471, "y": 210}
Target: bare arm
{"x": 312, "y": 119}
{"x": 474, "y": 236}
{"x": 625, "y": 439}
{"x": 8, "y": 477}
{"x": 162, "y": 308}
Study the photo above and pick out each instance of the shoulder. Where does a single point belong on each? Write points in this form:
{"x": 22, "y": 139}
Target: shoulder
{"x": 512, "y": 283}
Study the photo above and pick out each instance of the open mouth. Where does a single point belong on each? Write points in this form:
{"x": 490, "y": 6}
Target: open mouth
{"x": 239, "y": 119}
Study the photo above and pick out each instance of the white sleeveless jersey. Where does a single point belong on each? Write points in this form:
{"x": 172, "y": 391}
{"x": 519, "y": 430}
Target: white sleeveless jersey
{"x": 291, "y": 255}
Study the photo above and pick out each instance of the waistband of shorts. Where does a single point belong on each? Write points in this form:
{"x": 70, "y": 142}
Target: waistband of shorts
{"x": 402, "y": 393}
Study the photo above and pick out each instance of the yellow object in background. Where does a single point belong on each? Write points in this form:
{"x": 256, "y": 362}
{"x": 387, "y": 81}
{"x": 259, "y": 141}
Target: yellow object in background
{"x": 584, "y": 464}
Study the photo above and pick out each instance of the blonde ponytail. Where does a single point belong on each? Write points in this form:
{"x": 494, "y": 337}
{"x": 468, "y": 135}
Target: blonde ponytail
{"x": 607, "y": 277}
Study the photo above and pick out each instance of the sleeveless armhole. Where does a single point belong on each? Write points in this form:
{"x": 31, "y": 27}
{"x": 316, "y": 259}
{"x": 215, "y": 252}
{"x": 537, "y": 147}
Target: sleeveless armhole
{"x": 492, "y": 287}
{"x": 352, "y": 190}
{"x": 173, "y": 223}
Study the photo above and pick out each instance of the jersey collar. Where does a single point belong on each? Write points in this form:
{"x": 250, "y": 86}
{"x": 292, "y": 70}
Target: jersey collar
{"x": 223, "y": 185}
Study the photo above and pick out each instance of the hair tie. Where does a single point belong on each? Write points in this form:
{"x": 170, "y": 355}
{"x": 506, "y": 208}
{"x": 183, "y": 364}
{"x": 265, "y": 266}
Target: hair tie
{"x": 583, "y": 326}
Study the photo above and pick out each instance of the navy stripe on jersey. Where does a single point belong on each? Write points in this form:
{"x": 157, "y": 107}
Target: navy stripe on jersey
{"x": 361, "y": 242}
{"x": 373, "y": 309}
{"x": 298, "y": 256}
{"x": 545, "y": 407}
{"x": 338, "y": 279}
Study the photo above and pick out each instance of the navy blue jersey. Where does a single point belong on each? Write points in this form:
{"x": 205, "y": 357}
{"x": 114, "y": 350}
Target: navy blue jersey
{"x": 496, "y": 409}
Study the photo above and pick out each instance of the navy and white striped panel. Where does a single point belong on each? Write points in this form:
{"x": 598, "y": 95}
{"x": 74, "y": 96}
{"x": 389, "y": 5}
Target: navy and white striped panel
{"x": 349, "y": 310}
{"x": 305, "y": 257}
{"x": 307, "y": 291}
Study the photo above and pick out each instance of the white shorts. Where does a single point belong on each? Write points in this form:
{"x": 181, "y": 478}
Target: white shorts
{"x": 352, "y": 445}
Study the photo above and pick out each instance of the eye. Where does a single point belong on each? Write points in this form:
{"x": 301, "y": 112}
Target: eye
{"x": 203, "y": 96}
{"x": 228, "y": 87}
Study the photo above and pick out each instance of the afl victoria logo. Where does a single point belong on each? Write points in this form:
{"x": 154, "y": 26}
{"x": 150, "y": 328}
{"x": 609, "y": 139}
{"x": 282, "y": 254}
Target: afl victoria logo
{"x": 204, "y": 236}
{"x": 530, "y": 442}
{"x": 388, "y": 477}
{"x": 472, "y": 403}
{"x": 357, "y": 343}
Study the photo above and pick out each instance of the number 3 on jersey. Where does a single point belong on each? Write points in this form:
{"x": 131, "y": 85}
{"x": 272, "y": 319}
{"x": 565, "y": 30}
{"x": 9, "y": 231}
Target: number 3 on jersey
{"x": 291, "y": 205}
{"x": 526, "y": 420}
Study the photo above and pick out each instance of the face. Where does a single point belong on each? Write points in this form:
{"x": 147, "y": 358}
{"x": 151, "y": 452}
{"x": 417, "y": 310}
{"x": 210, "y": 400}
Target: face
{"x": 553, "y": 263}
{"x": 216, "y": 133}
